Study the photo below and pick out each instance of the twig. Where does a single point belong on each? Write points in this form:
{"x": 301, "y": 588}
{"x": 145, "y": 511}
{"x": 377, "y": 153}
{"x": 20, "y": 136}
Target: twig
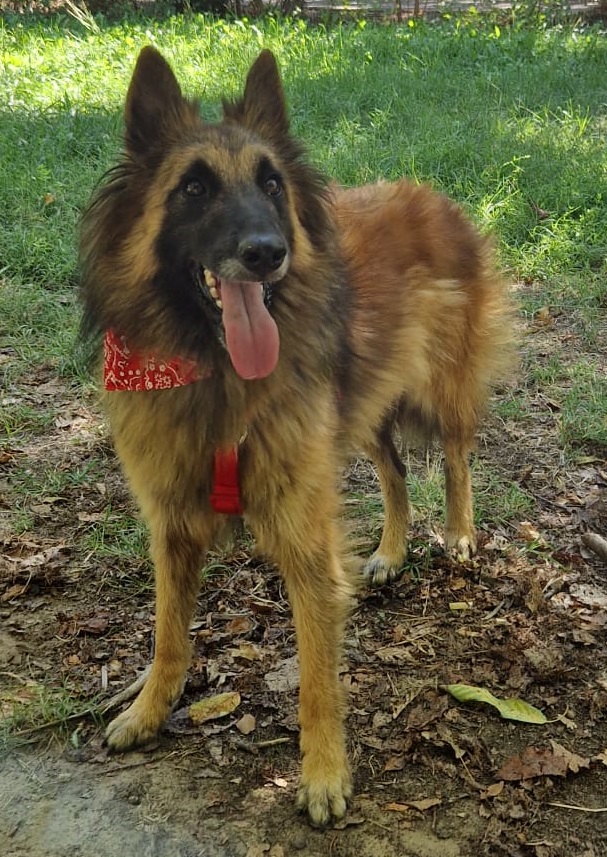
{"x": 255, "y": 747}
{"x": 596, "y": 543}
{"x": 31, "y": 730}
{"x": 580, "y": 808}
{"x": 127, "y": 693}
{"x": 261, "y": 745}
{"x": 488, "y": 616}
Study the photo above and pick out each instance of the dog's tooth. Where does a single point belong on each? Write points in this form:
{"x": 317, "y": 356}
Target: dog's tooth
{"x": 219, "y": 303}
{"x": 213, "y": 292}
{"x": 210, "y": 279}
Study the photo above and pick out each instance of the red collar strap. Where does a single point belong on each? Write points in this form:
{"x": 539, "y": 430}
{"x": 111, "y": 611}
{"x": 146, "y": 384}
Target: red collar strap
{"x": 225, "y": 496}
{"x": 124, "y": 369}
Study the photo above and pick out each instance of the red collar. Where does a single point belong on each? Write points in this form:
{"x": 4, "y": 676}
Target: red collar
{"x": 126, "y": 370}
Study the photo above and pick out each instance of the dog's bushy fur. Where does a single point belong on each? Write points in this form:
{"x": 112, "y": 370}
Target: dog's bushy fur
{"x": 388, "y": 313}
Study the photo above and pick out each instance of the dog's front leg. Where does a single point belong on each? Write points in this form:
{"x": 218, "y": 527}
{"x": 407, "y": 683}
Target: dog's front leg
{"x": 177, "y": 561}
{"x": 320, "y": 592}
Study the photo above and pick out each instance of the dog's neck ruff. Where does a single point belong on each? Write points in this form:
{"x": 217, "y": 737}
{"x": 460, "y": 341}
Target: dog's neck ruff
{"x": 126, "y": 370}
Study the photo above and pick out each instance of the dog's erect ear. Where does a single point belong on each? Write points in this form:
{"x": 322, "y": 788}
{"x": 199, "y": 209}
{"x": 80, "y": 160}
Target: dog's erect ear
{"x": 262, "y": 107}
{"x": 153, "y": 97}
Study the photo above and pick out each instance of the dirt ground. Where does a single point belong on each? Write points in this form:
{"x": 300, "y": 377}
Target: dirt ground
{"x": 434, "y": 777}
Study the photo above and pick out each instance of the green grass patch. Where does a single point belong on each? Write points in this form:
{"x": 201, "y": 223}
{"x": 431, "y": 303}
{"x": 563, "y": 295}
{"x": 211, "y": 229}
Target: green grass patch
{"x": 584, "y": 414}
{"x": 123, "y": 539}
{"x": 497, "y": 499}
{"x": 504, "y": 120}
{"x": 28, "y": 710}
{"x": 35, "y": 483}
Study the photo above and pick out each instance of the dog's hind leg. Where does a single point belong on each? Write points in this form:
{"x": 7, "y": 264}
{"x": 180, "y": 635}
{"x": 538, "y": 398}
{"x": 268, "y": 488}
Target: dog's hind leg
{"x": 177, "y": 561}
{"x": 387, "y": 562}
{"x": 460, "y": 535}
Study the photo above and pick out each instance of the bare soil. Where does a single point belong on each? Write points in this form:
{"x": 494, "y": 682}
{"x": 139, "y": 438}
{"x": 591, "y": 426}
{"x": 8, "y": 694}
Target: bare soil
{"x": 434, "y": 777}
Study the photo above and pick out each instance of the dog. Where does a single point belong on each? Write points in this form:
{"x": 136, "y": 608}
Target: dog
{"x": 259, "y": 327}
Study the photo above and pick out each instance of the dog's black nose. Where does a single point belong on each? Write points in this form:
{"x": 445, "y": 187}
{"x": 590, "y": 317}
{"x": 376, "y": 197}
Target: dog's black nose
{"x": 262, "y": 254}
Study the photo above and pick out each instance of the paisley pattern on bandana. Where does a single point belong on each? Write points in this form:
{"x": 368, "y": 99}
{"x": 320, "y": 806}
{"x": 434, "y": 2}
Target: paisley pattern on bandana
{"x": 124, "y": 369}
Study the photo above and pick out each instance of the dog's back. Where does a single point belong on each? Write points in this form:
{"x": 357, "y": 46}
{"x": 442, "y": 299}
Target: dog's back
{"x": 430, "y": 326}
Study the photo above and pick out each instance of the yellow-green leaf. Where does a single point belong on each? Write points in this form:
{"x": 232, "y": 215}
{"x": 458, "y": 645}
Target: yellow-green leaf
{"x": 214, "y": 707}
{"x": 511, "y": 709}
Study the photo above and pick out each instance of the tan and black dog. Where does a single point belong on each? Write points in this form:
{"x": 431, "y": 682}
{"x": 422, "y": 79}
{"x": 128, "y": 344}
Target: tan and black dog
{"x": 259, "y": 328}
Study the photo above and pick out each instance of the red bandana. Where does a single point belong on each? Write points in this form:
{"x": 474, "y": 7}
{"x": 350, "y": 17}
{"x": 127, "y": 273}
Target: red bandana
{"x": 124, "y": 369}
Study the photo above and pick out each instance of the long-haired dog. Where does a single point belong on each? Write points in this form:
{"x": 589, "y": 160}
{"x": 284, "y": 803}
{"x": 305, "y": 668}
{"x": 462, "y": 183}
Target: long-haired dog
{"x": 258, "y": 328}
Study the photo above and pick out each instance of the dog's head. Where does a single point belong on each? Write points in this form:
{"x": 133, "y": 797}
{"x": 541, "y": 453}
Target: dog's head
{"x": 213, "y": 216}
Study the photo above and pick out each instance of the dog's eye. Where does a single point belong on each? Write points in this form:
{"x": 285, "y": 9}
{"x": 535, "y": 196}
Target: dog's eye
{"x": 273, "y": 186}
{"x": 194, "y": 187}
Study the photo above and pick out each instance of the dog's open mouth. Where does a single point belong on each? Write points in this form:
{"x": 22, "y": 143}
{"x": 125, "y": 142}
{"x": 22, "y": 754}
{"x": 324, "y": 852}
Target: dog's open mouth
{"x": 210, "y": 286}
{"x": 251, "y": 334}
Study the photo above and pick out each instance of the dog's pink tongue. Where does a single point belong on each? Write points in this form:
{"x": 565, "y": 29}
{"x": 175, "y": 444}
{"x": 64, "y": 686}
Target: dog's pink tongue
{"x": 251, "y": 333}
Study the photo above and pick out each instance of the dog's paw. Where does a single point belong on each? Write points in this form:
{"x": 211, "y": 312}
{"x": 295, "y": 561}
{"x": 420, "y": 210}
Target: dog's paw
{"x": 461, "y": 547}
{"x": 135, "y": 727}
{"x": 381, "y": 569}
{"x": 324, "y": 793}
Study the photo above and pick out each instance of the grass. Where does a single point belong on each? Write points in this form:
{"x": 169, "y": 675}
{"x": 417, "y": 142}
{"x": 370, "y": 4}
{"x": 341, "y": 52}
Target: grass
{"x": 28, "y": 710}
{"x": 512, "y": 122}
{"x": 122, "y": 539}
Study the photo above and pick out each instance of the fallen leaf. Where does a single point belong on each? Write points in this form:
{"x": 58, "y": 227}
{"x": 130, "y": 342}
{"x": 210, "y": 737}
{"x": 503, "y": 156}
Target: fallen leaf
{"x": 395, "y": 763}
{"x": 214, "y": 707}
{"x": 246, "y": 651}
{"x": 430, "y": 707}
{"x": 14, "y": 591}
{"x": 246, "y": 724}
{"x": 397, "y": 807}
{"x": 567, "y": 722}
{"x": 93, "y": 624}
{"x": 393, "y": 654}
{"x": 540, "y": 213}
{"x": 420, "y": 805}
{"x": 542, "y": 762}
{"x": 240, "y": 625}
{"x": 574, "y": 762}
{"x": 510, "y": 709}
{"x": 530, "y": 534}
{"x": 592, "y": 596}
{"x": 285, "y": 677}
{"x": 494, "y": 790}
{"x": 426, "y": 803}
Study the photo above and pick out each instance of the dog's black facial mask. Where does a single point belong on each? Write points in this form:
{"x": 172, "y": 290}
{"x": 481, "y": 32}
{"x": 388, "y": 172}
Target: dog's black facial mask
{"x": 227, "y": 241}
{"x": 237, "y": 229}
